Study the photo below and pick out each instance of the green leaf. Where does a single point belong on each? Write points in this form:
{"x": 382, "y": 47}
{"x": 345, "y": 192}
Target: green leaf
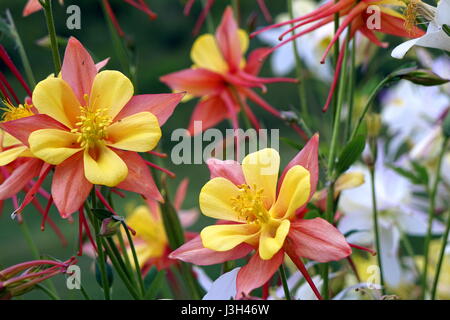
{"x": 421, "y": 173}
{"x": 352, "y": 151}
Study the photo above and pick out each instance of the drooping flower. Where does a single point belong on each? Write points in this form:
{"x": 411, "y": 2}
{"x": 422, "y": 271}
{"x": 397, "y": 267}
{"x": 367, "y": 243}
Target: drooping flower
{"x": 21, "y": 278}
{"x": 361, "y": 16}
{"x": 221, "y": 77}
{"x": 90, "y": 127}
{"x": 435, "y": 37}
{"x": 257, "y": 213}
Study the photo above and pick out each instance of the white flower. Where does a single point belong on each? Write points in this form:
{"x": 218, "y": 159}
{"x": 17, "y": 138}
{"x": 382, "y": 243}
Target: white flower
{"x": 223, "y": 288}
{"x": 310, "y": 46}
{"x": 397, "y": 215}
{"x": 435, "y": 36}
{"x": 409, "y": 111}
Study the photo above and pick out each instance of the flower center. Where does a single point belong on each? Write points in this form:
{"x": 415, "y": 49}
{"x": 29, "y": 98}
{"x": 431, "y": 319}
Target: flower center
{"x": 417, "y": 9}
{"x": 249, "y": 204}
{"x": 91, "y": 127}
{"x": 13, "y": 113}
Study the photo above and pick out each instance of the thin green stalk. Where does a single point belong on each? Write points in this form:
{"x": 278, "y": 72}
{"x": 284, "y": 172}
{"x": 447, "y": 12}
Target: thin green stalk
{"x": 287, "y": 293}
{"x": 441, "y": 259}
{"x": 84, "y": 293}
{"x": 22, "y": 52}
{"x": 135, "y": 258}
{"x": 130, "y": 286}
{"x": 236, "y": 9}
{"x": 47, "y": 5}
{"x": 331, "y": 164}
{"x": 124, "y": 249}
{"x": 431, "y": 214}
{"x": 299, "y": 70}
{"x": 351, "y": 91}
{"x": 368, "y": 105}
{"x": 375, "y": 221}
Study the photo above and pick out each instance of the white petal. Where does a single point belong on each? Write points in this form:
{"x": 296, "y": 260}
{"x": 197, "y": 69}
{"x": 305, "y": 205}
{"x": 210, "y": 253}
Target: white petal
{"x": 224, "y": 288}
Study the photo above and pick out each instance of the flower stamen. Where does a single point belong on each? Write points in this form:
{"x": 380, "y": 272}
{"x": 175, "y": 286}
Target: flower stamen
{"x": 91, "y": 127}
{"x": 249, "y": 204}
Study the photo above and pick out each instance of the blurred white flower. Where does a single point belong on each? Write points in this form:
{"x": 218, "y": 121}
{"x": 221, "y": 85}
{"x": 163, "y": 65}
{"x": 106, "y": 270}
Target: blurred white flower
{"x": 223, "y": 288}
{"x": 310, "y": 46}
{"x": 409, "y": 110}
{"x": 435, "y": 36}
{"x": 397, "y": 216}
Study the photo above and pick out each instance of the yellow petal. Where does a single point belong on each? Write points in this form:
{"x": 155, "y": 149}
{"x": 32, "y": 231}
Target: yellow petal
{"x": 106, "y": 169}
{"x": 53, "y": 145}
{"x": 348, "y": 181}
{"x": 111, "y": 90}
{"x": 139, "y": 132}
{"x": 272, "y": 238}
{"x": 227, "y": 236}
{"x": 244, "y": 40}
{"x": 206, "y": 54}
{"x": 149, "y": 230}
{"x": 261, "y": 170}
{"x": 9, "y": 140}
{"x": 54, "y": 97}
{"x": 215, "y": 199}
{"x": 294, "y": 193}
{"x": 12, "y": 154}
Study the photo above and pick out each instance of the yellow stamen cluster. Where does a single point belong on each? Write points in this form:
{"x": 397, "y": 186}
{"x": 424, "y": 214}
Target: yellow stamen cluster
{"x": 13, "y": 113}
{"x": 91, "y": 127}
{"x": 249, "y": 204}
{"x": 416, "y": 9}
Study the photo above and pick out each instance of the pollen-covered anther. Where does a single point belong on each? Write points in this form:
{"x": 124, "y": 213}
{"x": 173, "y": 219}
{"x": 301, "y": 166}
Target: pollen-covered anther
{"x": 249, "y": 204}
{"x": 415, "y": 11}
{"x": 91, "y": 127}
{"x": 12, "y": 112}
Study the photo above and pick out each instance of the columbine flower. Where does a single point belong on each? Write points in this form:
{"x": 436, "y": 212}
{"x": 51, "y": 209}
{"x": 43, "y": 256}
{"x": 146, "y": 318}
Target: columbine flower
{"x": 150, "y": 241}
{"x": 397, "y": 215}
{"x": 21, "y": 278}
{"x": 354, "y": 14}
{"x": 257, "y": 215}
{"x": 221, "y": 76}
{"x": 435, "y": 37}
{"x": 90, "y": 127}
{"x": 410, "y": 110}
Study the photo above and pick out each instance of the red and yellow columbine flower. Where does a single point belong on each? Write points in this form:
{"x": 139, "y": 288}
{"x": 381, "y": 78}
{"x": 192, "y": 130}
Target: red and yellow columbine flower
{"x": 259, "y": 214}
{"x": 221, "y": 77}
{"x": 90, "y": 127}
{"x": 357, "y": 15}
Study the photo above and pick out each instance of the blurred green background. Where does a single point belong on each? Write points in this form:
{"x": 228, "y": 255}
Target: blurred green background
{"x": 158, "y": 47}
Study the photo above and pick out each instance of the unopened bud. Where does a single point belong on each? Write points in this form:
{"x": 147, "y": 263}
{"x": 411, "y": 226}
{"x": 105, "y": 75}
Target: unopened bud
{"x": 110, "y": 226}
{"x": 424, "y": 77}
{"x": 446, "y": 126}
{"x": 373, "y": 122}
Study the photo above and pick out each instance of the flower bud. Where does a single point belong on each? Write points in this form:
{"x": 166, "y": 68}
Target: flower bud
{"x": 423, "y": 77}
{"x": 446, "y": 126}
{"x": 373, "y": 122}
{"x": 110, "y": 226}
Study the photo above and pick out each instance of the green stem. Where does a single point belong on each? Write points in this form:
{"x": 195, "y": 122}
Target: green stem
{"x": 22, "y": 52}
{"x": 431, "y": 214}
{"x": 209, "y": 20}
{"x": 299, "y": 70}
{"x": 368, "y": 104}
{"x": 287, "y": 293}
{"x": 351, "y": 92}
{"x": 375, "y": 215}
{"x": 47, "y": 5}
{"x": 135, "y": 258}
{"x": 441, "y": 259}
{"x": 84, "y": 293}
